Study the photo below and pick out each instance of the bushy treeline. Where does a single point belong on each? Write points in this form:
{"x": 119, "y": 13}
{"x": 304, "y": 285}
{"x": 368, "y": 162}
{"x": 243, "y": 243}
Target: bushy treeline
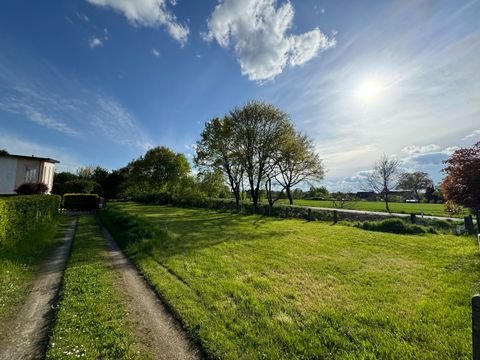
{"x": 160, "y": 176}
{"x": 19, "y": 215}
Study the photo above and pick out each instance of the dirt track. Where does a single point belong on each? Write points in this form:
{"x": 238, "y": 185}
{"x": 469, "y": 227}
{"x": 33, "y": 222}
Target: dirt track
{"x": 159, "y": 333}
{"x": 158, "y": 329}
{"x": 27, "y": 334}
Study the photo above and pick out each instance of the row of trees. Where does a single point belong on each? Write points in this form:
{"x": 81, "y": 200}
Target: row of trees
{"x": 256, "y": 149}
{"x": 160, "y": 172}
{"x": 461, "y": 185}
{"x": 257, "y": 145}
{"x": 386, "y": 177}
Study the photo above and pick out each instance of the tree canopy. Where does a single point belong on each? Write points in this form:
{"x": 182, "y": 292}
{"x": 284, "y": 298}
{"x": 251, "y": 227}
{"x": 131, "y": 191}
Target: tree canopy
{"x": 462, "y": 182}
{"x": 257, "y": 144}
{"x": 160, "y": 169}
{"x": 384, "y": 177}
{"x": 414, "y": 181}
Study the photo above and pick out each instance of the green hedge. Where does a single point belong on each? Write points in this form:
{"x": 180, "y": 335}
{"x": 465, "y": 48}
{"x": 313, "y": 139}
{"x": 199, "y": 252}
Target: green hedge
{"x": 20, "y": 214}
{"x": 395, "y": 226}
{"x": 80, "y": 201}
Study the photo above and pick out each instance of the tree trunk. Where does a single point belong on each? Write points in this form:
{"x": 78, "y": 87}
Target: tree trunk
{"x": 386, "y": 202}
{"x": 416, "y": 194}
{"x": 478, "y": 221}
{"x": 255, "y": 199}
{"x": 268, "y": 189}
{"x": 237, "y": 199}
{"x": 289, "y": 195}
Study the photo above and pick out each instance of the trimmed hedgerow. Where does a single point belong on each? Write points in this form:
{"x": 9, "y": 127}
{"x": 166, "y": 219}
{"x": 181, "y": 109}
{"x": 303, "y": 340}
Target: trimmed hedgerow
{"x": 80, "y": 201}
{"x": 395, "y": 226}
{"x": 19, "y": 215}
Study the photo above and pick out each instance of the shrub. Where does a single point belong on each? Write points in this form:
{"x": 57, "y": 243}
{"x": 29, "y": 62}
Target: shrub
{"x": 81, "y": 186}
{"x": 395, "y": 226}
{"x": 19, "y": 215}
{"x": 80, "y": 201}
{"x": 32, "y": 189}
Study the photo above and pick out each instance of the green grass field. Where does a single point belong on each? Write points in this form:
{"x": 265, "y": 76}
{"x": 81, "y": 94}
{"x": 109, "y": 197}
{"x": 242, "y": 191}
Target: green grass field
{"x": 252, "y": 287}
{"x": 19, "y": 263}
{"x": 91, "y": 321}
{"x": 406, "y": 208}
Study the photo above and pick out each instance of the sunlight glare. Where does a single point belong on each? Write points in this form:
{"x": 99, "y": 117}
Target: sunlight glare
{"x": 369, "y": 91}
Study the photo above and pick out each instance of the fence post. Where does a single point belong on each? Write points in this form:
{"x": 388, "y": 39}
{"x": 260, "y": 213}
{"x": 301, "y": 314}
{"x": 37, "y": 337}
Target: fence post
{"x": 413, "y": 218}
{"x": 476, "y": 327}
{"x": 335, "y": 216}
{"x": 468, "y": 224}
{"x": 309, "y": 214}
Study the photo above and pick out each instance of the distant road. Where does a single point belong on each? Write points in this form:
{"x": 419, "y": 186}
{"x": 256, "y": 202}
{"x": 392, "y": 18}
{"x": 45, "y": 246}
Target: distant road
{"x": 376, "y": 213}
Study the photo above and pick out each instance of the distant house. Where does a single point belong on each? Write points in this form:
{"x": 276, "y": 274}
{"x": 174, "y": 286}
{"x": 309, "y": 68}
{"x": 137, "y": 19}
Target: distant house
{"x": 17, "y": 169}
{"x": 364, "y": 195}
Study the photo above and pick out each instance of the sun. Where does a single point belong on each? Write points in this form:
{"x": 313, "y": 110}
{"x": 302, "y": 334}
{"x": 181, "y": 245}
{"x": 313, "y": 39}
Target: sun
{"x": 370, "y": 91}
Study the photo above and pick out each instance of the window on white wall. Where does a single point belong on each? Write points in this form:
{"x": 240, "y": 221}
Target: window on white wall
{"x": 30, "y": 174}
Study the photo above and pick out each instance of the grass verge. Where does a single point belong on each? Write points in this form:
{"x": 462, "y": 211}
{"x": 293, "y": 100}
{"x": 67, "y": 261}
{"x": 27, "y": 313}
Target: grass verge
{"x": 91, "y": 320}
{"x": 19, "y": 262}
{"x": 253, "y": 287}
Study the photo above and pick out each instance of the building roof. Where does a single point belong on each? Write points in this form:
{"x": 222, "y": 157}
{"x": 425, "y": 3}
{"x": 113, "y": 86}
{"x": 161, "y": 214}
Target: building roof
{"x": 53, "y": 161}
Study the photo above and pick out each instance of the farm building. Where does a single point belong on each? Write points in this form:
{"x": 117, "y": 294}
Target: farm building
{"x": 17, "y": 169}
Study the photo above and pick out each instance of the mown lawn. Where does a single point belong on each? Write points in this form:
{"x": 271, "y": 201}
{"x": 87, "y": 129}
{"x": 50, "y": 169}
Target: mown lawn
{"x": 406, "y": 208}
{"x": 19, "y": 262}
{"x": 251, "y": 287}
{"x": 91, "y": 321}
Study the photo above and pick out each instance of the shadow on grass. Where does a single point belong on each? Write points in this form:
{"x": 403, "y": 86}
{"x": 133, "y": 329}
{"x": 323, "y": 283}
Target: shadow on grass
{"x": 194, "y": 230}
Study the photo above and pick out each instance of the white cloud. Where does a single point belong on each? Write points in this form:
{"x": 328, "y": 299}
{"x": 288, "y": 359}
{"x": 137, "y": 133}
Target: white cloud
{"x": 450, "y": 150}
{"x": 155, "y": 52}
{"x": 94, "y": 42}
{"x": 118, "y": 124}
{"x": 474, "y": 134}
{"x": 414, "y": 149}
{"x": 257, "y": 31}
{"x": 151, "y": 13}
{"x": 33, "y": 106}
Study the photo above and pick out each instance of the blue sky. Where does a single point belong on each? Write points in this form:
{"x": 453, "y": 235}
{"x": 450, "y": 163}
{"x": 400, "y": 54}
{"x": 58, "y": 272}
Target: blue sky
{"x": 100, "y": 81}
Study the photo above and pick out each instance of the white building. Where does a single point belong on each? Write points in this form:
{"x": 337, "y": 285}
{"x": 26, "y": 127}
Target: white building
{"x": 16, "y": 170}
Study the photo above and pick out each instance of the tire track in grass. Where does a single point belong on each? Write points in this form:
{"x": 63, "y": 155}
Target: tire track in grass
{"x": 160, "y": 331}
{"x": 27, "y": 334}
{"x": 92, "y": 321}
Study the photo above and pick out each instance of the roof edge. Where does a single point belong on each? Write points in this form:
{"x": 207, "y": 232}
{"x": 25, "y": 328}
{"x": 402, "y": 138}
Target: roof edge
{"x": 53, "y": 161}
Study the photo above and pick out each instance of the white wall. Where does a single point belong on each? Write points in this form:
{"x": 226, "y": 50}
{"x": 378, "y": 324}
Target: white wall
{"x": 48, "y": 171}
{"x": 8, "y": 172}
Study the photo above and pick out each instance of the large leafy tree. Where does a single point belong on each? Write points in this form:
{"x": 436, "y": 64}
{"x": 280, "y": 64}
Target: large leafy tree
{"x": 259, "y": 129}
{"x": 216, "y": 149}
{"x": 212, "y": 184}
{"x": 384, "y": 177}
{"x": 414, "y": 181}
{"x": 258, "y": 145}
{"x": 462, "y": 183}
{"x": 160, "y": 169}
{"x": 298, "y": 162}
